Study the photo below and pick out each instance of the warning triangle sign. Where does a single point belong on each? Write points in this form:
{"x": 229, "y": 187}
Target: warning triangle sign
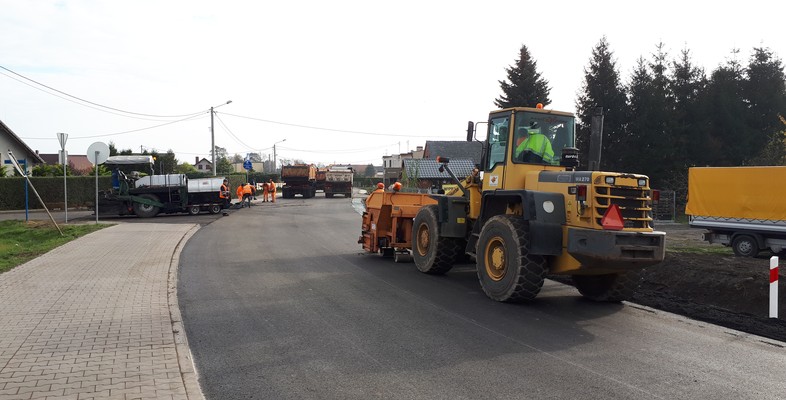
{"x": 612, "y": 220}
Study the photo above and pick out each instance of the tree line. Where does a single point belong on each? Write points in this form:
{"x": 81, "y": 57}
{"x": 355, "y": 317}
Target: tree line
{"x": 670, "y": 114}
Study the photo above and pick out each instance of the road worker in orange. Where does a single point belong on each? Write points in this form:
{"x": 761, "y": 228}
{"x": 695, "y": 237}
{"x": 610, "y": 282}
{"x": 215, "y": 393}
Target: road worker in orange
{"x": 224, "y": 194}
{"x": 248, "y": 193}
{"x": 380, "y": 189}
{"x": 265, "y": 192}
{"x": 272, "y": 189}
{"x": 239, "y": 193}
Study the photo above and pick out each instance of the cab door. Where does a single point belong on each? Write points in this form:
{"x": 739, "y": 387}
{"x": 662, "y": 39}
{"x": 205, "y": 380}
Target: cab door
{"x": 496, "y": 151}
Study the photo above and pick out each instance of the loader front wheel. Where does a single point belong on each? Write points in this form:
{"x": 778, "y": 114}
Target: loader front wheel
{"x": 432, "y": 253}
{"x": 611, "y": 288}
{"x": 146, "y": 210}
{"x": 506, "y": 270}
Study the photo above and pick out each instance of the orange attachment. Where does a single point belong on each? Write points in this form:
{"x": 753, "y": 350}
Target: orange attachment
{"x": 387, "y": 221}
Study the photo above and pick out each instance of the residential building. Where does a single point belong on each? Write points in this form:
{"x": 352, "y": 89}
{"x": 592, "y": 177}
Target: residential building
{"x": 9, "y": 141}
{"x": 392, "y": 165}
{"x": 203, "y": 165}
{"x": 424, "y": 173}
{"x": 78, "y": 164}
{"x": 458, "y": 149}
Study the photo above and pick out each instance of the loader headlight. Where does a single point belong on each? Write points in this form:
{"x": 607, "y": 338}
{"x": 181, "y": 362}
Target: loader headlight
{"x": 610, "y": 180}
{"x": 642, "y": 182}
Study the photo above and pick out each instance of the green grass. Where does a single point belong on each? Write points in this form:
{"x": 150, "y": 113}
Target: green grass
{"x": 718, "y": 249}
{"x": 23, "y": 241}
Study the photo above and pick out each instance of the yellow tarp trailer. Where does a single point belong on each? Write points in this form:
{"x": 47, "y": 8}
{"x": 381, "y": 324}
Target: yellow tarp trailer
{"x": 737, "y": 192}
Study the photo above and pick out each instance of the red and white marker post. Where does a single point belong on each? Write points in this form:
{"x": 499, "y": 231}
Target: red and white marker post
{"x": 774, "y": 287}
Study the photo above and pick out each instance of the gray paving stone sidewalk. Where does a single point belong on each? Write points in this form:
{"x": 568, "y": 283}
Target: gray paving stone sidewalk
{"x": 94, "y": 319}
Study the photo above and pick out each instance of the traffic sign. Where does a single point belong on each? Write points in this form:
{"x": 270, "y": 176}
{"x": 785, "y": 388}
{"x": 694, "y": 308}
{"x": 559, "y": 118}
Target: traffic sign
{"x": 97, "y": 153}
{"x": 247, "y": 165}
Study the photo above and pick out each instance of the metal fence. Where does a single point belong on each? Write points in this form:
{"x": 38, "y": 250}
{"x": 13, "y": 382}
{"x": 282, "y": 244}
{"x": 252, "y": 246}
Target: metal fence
{"x": 666, "y": 209}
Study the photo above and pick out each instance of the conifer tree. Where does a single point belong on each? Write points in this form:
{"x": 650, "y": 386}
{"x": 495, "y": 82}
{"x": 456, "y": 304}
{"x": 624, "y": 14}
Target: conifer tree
{"x": 525, "y": 87}
{"x": 602, "y": 88}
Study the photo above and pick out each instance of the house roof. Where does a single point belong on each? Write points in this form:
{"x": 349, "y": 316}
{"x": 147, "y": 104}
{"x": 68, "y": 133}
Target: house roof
{"x": 75, "y": 161}
{"x": 426, "y": 168}
{"x": 4, "y": 129}
{"x": 457, "y": 149}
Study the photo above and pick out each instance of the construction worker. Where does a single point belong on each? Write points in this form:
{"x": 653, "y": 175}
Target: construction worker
{"x": 533, "y": 146}
{"x": 224, "y": 195}
{"x": 380, "y": 189}
{"x": 239, "y": 193}
{"x": 265, "y": 193}
{"x": 248, "y": 193}
{"x": 271, "y": 187}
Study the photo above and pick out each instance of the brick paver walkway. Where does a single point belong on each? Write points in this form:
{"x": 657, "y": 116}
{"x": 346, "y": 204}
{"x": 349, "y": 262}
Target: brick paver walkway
{"x": 92, "y": 319}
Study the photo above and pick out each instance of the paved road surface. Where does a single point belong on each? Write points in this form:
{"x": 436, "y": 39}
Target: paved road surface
{"x": 279, "y": 304}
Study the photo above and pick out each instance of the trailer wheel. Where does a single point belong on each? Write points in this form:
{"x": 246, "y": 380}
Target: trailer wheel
{"x": 506, "y": 270}
{"x": 745, "y": 246}
{"x": 214, "y": 208}
{"x": 611, "y": 288}
{"x": 146, "y": 210}
{"x": 432, "y": 253}
{"x": 193, "y": 210}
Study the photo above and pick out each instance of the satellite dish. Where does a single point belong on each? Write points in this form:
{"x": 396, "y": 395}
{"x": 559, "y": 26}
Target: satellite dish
{"x": 97, "y": 153}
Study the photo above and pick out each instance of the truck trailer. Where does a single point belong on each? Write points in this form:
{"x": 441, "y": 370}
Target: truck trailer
{"x": 740, "y": 207}
{"x": 298, "y": 179}
{"x": 339, "y": 181}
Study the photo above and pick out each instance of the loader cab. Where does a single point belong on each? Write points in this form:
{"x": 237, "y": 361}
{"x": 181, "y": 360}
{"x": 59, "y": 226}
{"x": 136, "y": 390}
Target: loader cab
{"x": 526, "y": 139}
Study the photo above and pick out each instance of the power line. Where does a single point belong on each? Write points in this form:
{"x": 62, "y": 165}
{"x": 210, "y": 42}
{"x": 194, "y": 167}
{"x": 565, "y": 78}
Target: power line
{"x": 338, "y": 151}
{"x": 88, "y": 101}
{"x": 117, "y": 133}
{"x": 220, "y": 121}
{"x": 326, "y": 129}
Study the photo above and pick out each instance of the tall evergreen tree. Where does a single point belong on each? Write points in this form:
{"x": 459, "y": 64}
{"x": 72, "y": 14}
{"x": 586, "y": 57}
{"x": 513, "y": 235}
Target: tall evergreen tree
{"x": 765, "y": 93}
{"x": 727, "y": 112}
{"x": 602, "y": 88}
{"x": 688, "y": 85}
{"x": 640, "y": 99}
{"x": 525, "y": 87}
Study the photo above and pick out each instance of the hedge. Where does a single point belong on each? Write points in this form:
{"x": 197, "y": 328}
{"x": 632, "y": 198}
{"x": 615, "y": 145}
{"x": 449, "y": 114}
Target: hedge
{"x": 81, "y": 191}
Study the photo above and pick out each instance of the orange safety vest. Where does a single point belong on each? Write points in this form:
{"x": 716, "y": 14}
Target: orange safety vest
{"x": 247, "y": 189}
{"x": 272, "y": 187}
{"x": 239, "y": 192}
{"x": 224, "y": 192}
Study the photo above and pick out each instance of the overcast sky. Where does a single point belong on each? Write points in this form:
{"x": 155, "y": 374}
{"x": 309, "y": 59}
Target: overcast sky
{"x": 400, "y": 72}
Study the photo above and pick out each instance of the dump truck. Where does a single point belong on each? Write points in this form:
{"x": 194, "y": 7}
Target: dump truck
{"x": 339, "y": 181}
{"x": 740, "y": 207}
{"x": 525, "y": 212}
{"x": 147, "y": 196}
{"x": 298, "y": 179}
{"x": 320, "y": 179}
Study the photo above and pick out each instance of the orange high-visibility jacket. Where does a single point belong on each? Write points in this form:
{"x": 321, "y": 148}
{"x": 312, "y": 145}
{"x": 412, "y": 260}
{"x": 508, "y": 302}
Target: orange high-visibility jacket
{"x": 247, "y": 190}
{"x": 239, "y": 192}
{"x": 224, "y": 193}
{"x": 271, "y": 187}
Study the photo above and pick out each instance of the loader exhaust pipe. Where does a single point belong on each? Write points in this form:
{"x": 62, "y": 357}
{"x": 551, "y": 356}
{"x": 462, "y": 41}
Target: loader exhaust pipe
{"x": 596, "y": 140}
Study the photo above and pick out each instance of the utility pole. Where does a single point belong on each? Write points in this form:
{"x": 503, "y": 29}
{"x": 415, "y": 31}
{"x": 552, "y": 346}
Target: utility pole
{"x": 212, "y": 142}
{"x": 274, "y": 158}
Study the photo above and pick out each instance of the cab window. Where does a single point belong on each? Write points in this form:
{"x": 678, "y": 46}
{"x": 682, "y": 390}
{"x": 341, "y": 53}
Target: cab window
{"x": 498, "y": 140}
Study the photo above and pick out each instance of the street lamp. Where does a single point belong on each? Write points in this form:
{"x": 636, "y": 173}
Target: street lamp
{"x": 213, "y": 136}
{"x": 274, "y": 154}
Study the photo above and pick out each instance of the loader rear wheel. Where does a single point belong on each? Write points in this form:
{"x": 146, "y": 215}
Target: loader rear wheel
{"x": 432, "y": 253}
{"x": 506, "y": 270}
{"x": 611, "y": 288}
{"x": 146, "y": 210}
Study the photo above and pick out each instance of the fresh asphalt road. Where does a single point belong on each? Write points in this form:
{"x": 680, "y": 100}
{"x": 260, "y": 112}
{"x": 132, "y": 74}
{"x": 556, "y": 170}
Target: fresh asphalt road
{"x": 279, "y": 302}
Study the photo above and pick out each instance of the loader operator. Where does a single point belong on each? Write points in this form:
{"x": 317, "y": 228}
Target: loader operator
{"x": 533, "y": 146}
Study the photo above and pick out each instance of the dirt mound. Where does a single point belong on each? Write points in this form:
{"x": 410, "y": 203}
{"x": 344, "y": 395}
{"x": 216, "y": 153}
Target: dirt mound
{"x": 708, "y": 283}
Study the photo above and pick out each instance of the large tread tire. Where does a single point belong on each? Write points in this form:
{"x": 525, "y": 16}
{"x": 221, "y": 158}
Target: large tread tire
{"x": 611, "y": 288}
{"x": 506, "y": 270}
{"x": 745, "y": 246}
{"x": 145, "y": 210}
{"x": 432, "y": 253}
